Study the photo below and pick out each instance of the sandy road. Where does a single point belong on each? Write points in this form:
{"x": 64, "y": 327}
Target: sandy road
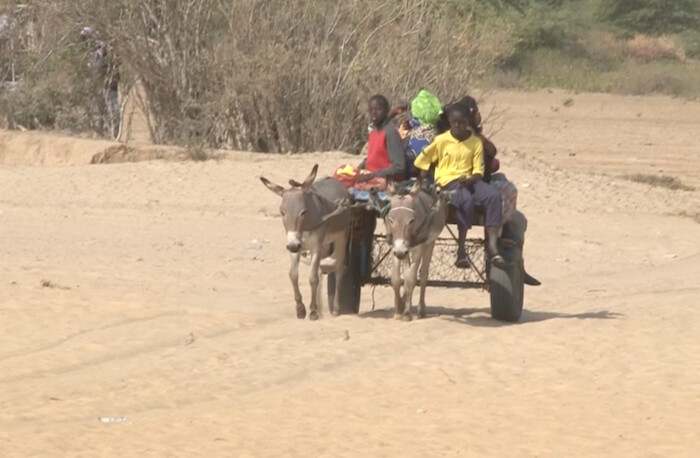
{"x": 158, "y": 291}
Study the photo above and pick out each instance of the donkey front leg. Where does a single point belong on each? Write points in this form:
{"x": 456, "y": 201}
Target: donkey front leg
{"x": 410, "y": 283}
{"x": 294, "y": 277}
{"x": 424, "y": 273}
{"x": 314, "y": 278}
{"x": 396, "y": 285}
{"x": 339, "y": 252}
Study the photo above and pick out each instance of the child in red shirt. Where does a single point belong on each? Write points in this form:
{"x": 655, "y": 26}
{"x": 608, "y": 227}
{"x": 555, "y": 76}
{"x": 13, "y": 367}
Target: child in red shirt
{"x": 385, "y": 149}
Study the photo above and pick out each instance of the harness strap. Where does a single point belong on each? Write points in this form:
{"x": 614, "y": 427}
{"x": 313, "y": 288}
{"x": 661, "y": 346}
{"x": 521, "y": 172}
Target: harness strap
{"x": 426, "y": 222}
{"x": 384, "y": 211}
{"x": 401, "y": 208}
{"x": 340, "y": 206}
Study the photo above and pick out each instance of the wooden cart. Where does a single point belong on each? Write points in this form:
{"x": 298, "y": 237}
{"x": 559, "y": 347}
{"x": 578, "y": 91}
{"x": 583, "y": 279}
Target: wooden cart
{"x": 369, "y": 262}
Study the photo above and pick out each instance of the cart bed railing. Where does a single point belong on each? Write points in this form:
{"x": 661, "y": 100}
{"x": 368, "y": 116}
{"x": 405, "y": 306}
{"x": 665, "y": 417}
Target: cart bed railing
{"x": 443, "y": 273}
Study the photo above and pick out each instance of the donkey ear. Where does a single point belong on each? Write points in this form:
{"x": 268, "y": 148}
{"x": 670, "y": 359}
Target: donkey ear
{"x": 279, "y": 190}
{"x": 415, "y": 189}
{"x": 295, "y": 184}
{"x": 310, "y": 179}
{"x": 390, "y": 188}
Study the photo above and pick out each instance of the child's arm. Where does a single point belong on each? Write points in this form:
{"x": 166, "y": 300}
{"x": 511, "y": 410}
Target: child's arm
{"x": 426, "y": 158}
{"x": 490, "y": 152}
{"x": 477, "y": 167}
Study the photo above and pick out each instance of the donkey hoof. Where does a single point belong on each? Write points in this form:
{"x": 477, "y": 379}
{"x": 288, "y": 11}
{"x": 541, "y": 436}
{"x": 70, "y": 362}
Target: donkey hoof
{"x": 407, "y": 318}
{"x": 313, "y": 316}
{"x": 398, "y": 316}
{"x": 421, "y": 314}
{"x": 335, "y": 312}
{"x": 301, "y": 313}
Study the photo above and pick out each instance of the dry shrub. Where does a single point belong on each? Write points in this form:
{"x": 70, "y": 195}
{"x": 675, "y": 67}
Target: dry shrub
{"x": 641, "y": 47}
{"x": 647, "y": 49}
{"x": 608, "y": 44}
{"x": 42, "y": 78}
{"x": 660, "y": 181}
{"x": 695, "y": 216}
{"x": 286, "y": 76}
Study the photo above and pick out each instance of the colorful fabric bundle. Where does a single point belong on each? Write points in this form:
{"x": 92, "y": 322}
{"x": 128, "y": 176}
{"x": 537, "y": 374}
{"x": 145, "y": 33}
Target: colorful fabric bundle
{"x": 509, "y": 194}
{"x": 426, "y": 108}
{"x": 346, "y": 175}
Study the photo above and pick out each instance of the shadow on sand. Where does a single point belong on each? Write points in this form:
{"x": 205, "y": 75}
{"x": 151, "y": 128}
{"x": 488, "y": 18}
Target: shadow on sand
{"x": 481, "y": 316}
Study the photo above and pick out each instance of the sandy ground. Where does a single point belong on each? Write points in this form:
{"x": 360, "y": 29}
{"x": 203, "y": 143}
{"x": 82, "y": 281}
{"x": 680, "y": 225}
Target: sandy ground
{"x": 158, "y": 291}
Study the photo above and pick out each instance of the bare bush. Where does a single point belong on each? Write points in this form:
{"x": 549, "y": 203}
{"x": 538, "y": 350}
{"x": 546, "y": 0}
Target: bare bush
{"x": 646, "y": 48}
{"x": 42, "y": 68}
{"x": 285, "y": 76}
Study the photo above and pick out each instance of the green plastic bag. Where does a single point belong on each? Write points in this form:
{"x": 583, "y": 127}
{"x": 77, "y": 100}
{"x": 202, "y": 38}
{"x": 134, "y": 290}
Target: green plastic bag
{"x": 426, "y": 108}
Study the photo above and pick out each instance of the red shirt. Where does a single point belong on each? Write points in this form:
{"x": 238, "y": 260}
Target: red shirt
{"x": 377, "y": 152}
{"x": 385, "y": 153}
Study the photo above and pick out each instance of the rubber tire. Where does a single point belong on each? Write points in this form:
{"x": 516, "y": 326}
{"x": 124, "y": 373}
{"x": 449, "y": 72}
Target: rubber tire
{"x": 507, "y": 287}
{"x": 352, "y": 285}
{"x": 351, "y": 291}
{"x": 358, "y": 264}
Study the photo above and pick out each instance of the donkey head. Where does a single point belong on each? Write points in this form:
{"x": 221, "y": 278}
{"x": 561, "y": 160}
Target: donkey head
{"x": 401, "y": 218}
{"x": 293, "y": 207}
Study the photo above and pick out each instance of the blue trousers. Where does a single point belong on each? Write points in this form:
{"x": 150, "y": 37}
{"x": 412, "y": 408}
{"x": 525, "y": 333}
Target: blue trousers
{"x": 464, "y": 200}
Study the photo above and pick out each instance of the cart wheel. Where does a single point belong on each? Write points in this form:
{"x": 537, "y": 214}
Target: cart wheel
{"x": 507, "y": 287}
{"x": 352, "y": 284}
{"x": 351, "y": 289}
{"x": 358, "y": 263}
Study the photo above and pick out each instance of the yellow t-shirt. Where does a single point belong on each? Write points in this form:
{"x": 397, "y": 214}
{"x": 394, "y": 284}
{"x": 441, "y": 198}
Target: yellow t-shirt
{"x": 454, "y": 159}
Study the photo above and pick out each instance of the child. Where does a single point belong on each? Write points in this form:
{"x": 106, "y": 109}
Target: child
{"x": 459, "y": 158}
{"x": 385, "y": 155}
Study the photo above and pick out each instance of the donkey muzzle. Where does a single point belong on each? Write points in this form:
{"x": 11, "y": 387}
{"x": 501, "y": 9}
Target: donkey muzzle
{"x": 400, "y": 249}
{"x": 293, "y": 242}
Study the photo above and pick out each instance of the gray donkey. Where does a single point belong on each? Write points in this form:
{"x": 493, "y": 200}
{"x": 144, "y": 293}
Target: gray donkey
{"x": 316, "y": 217}
{"x": 414, "y": 223}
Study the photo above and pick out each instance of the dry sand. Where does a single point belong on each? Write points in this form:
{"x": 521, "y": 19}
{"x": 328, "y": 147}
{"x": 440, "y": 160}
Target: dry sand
{"x": 158, "y": 291}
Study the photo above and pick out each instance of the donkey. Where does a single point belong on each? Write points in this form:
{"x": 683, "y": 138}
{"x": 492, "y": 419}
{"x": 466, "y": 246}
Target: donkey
{"x": 316, "y": 217}
{"x": 414, "y": 222}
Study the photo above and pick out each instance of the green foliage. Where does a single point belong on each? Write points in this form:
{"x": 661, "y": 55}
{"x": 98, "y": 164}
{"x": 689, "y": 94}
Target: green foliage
{"x": 546, "y": 68}
{"x": 543, "y": 31}
{"x": 652, "y": 16}
{"x": 52, "y": 93}
{"x": 541, "y": 27}
{"x": 523, "y": 5}
{"x": 690, "y": 40}
{"x": 210, "y": 77}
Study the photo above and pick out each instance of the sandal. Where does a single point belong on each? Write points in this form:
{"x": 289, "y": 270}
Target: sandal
{"x": 531, "y": 281}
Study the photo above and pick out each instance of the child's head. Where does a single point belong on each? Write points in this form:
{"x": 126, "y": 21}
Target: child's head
{"x": 460, "y": 121}
{"x": 378, "y": 109}
{"x": 469, "y": 103}
{"x": 474, "y": 115}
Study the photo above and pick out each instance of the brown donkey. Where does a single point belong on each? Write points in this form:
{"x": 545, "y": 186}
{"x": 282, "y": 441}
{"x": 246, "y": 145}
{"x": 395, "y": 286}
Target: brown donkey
{"x": 316, "y": 217}
{"x": 414, "y": 223}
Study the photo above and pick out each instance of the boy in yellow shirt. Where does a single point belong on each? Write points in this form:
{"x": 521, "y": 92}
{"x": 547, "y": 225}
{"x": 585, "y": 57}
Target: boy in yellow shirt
{"x": 459, "y": 158}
